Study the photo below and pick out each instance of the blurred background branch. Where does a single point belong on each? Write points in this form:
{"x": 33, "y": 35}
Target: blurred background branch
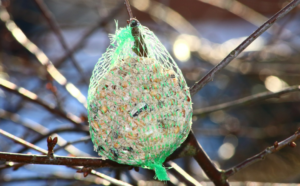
{"x": 251, "y": 103}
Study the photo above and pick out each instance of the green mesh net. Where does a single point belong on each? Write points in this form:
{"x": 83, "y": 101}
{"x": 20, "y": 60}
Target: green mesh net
{"x": 139, "y": 105}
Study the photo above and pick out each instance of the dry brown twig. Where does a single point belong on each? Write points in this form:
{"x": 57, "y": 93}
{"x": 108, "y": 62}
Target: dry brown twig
{"x": 101, "y": 23}
{"x": 51, "y": 177}
{"x": 246, "y": 100}
{"x": 85, "y": 170}
{"x": 44, "y": 132}
{"x": 276, "y": 147}
{"x": 127, "y": 4}
{"x": 243, "y": 11}
{"x": 51, "y": 87}
{"x": 49, "y": 158}
{"x": 217, "y": 176}
{"x": 214, "y": 174}
{"x": 58, "y": 130}
{"x": 32, "y": 97}
{"x": 55, "y": 160}
{"x": 246, "y": 132}
{"x": 41, "y": 57}
{"x": 84, "y": 139}
{"x": 210, "y": 75}
{"x": 55, "y": 28}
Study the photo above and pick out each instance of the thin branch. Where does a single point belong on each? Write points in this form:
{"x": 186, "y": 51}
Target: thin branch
{"x": 89, "y": 32}
{"x": 127, "y": 4}
{"x": 55, "y": 28}
{"x": 45, "y": 132}
{"x": 210, "y": 51}
{"x": 206, "y": 164}
{"x": 112, "y": 180}
{"x": 105, "y": 163}
{"x": 29, "y": 124}
{"x": 61, "y": 129}
{"x": 239, "y": 9}
{"x": 32, "y": 97}
{"x": 23, "y": 142}
{"x": 69, "y": 178}
{"x": 276, "y": 147}
{"x": 184, "y": 174}
{"x": 57, "y": 176}
{"x": 191, "y": 147}
{"x": 177, "y": 179}
{"x": 247, "y": 132}
{"x": 245, "y": 100}
{"x": 210, "y": 75}
{"x": 63, "y": 160}
{"x": 42, "y": 58}
{"x": 50, "y": 86}
{"x": 58, "y": 160}
{"x": 84, "y": 139}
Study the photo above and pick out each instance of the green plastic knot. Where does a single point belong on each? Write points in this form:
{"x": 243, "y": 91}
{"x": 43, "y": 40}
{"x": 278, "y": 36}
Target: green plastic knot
{"x": 160, "y": 172}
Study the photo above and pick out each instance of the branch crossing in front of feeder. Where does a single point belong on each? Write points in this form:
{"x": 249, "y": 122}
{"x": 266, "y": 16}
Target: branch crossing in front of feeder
{"x": 139, "y": 105}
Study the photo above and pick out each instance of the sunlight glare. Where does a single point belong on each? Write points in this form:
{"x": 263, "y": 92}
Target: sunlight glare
{"x": 226, "y": 151}
{"x": 275, "y": 84}
{"x": 141, "y": 5}
{"x": 181, "y": 50}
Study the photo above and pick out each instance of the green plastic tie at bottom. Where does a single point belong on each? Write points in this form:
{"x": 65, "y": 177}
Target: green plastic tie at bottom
{"x": 160, "y": 172}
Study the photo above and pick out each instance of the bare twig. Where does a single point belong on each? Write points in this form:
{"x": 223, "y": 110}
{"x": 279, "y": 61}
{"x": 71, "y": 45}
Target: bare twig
{"x": 210, "y": 75}
{"x": 45, "y": 132}
{"x": 50, "y": 86}
{"x": 281, "y": 30}
{"x": 30, "y": 96}
{"x": 184, "y": 174}
{"x": 191, "y": 147}
{"x": 84, "y": 139}
{"x": 244, "y": 12}
{"x": 42, "y": 58}
{"x": 57, "y": 176}
{"x": 175, "y": 20}
{"x": 112, "y": 180}
{"x": 29, "y": 124}
{"x": 22, "y": 142}
{"x": 86, "y": 162}
{"x": 58, "y": 160}
{"x": 61, "y": 129}
{"x": 206, "y": 164}
{"x": 69, "y": 178}
{"x": 245, "y": 100}
{"x": 55, "y": 28}
{"x": 276, "y": 147}
{"x": 127, "y": 4}
{"x": 247, "y": 132}
{"x": 89, "y": 32}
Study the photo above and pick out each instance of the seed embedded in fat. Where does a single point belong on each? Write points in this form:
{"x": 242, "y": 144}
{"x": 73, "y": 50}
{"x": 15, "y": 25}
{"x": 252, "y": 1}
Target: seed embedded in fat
{"x": 124, "y": 84}
{"x": 176, "y": 129}
{"x": 116, "y": 145}
{"x": 102, "y": 94}
{"x": 104, "y": 109}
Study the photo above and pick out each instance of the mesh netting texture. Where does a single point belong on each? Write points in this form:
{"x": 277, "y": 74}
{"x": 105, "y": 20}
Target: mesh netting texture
{"x": 139, "y": 105}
